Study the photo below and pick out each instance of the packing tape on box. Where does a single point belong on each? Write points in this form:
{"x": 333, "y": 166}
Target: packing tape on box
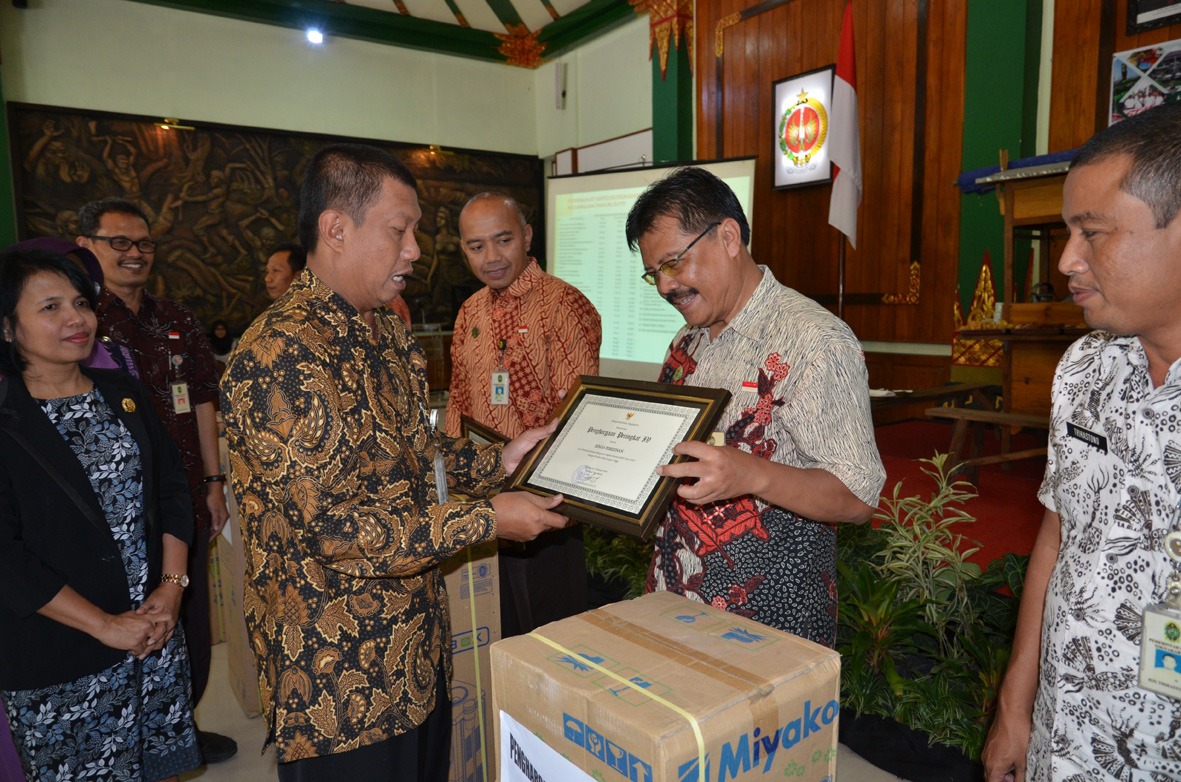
{"x": 471, "y": 585}
{"x": 720, "y": 671}
{"x": 653, "y": 696}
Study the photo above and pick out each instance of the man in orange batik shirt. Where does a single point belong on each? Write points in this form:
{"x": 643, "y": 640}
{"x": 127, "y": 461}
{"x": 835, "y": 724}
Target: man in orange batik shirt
{"x": 542, "y": 334}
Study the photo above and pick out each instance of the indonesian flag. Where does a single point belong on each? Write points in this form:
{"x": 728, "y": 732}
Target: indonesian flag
{"x": 846, "y": 137}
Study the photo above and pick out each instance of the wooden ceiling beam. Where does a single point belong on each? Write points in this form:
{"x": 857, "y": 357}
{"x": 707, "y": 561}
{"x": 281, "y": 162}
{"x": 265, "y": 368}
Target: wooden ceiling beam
{"x": 343, "y": 20}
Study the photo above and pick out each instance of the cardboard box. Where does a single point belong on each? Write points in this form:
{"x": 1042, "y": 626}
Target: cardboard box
{"x": 615, "y": 693}
{"x": 473, "y": 583}
{"x": 243, "y": 675}
{"x": 218, "y": 589}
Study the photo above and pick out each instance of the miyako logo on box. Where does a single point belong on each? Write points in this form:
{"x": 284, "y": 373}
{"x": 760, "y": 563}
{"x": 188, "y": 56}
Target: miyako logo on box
{"x": 743, "y": 754}
{"x": 738, "y": 756}
{"x": 614, "y": 756}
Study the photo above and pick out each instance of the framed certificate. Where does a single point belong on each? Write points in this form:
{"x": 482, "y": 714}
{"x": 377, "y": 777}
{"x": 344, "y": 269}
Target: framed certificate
{"x": 612, "y": 436}
{"x": 480, "y": 434}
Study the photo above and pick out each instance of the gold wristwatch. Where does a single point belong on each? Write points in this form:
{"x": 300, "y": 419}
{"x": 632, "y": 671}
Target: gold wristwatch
{"x": 172, "y": 578}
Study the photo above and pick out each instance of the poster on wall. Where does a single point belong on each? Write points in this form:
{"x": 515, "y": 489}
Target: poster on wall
{"x": 219, "y": 197}
{"x": 1151, "y": 14}
{"x": 1143, "y": 78}
{"x": 802, "y": 129}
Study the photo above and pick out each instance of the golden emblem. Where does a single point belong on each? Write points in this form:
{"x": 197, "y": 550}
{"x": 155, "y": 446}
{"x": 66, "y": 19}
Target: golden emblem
{"x": 128, "y": 406}
{"x": 802, "y": 129}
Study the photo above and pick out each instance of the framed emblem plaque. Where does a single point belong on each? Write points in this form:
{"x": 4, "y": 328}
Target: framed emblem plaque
{"x": 612, "y": 435}
{"x": 800, "y": 112}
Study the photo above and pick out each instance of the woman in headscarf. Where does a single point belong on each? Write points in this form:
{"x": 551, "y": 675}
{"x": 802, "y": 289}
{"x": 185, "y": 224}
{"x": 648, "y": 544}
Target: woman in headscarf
{"x": 221, "y": 341}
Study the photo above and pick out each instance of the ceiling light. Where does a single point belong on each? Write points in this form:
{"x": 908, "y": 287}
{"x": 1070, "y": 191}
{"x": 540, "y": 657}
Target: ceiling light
{"x": 315, "y": 36}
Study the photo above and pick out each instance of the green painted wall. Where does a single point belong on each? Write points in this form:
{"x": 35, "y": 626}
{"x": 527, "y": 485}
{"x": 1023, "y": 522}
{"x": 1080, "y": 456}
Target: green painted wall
{"x": 672, "y": 107}
{"x": 1002, "y": 61}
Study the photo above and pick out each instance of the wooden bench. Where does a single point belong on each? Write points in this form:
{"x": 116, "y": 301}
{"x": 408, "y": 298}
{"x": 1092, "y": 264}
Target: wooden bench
{"x": 975, "y": 421}
{"x": 960, "y": 393}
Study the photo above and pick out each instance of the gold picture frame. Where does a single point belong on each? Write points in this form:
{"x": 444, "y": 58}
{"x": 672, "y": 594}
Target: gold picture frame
{"x": 480, "y": 434}
{"x": 612, "y": 435}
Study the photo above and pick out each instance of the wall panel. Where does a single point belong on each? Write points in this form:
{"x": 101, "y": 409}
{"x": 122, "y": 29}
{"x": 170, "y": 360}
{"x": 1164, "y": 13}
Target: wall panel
{"x": 792, "y": 234}
{"x": 1086, "y": 34}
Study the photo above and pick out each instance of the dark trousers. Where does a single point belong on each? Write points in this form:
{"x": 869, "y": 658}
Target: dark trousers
{"x": 194, "y": 612}
{"x": 420, "y": 755}
{"x": 542, "y": 581}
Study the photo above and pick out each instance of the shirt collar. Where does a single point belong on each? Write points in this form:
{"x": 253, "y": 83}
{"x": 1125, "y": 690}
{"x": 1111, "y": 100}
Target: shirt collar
{"x": 748, "y": 323}
{"x": 108, "y": 299}
{"x": 1137, "y": 358}
{"x": 524, "y": 283}
{"x": 310, "y": 292}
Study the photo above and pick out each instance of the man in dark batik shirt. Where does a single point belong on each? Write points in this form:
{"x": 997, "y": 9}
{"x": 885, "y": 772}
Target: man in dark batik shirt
{"x": 176, "y": 363}
{"x": 333, "y": 460}
{"x": 754, "y": 533}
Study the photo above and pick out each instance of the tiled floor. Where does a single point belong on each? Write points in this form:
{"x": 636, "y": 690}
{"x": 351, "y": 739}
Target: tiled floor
{"x": 219, "y": 712}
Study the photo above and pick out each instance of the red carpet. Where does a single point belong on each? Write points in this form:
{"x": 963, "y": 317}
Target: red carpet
{"x": 1007, "y": 511}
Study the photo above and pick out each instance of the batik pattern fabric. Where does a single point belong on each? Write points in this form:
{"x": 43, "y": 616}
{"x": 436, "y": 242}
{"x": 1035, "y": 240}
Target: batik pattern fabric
{"x": 1117, "y": 495}
{"x": 551, "y": 334}
{"x": 169, "y": 346}
{"x": 332, "y": 465}
{"x": 132, "y": 721}
{"x": 801, "y": 398}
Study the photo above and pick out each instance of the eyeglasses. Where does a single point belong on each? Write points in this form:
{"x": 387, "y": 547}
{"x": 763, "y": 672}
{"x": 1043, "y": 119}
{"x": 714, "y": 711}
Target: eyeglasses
{"x": 672, "y": 266}
{"x": 123, "y": 244}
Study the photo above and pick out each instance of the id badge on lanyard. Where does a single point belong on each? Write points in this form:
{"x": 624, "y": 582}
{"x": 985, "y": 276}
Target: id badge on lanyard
{"x": 1160, "y": 638}
{"x": 499, "y": 380}
{"x": 180, "y": 389}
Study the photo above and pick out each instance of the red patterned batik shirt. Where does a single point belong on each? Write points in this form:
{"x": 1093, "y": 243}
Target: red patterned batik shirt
{"x": 801, "y": 398}
{"x": 551, "y": 335}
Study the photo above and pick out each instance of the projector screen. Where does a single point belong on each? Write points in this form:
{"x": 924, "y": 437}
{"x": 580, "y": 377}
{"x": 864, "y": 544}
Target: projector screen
{"x": 586, "y": 247}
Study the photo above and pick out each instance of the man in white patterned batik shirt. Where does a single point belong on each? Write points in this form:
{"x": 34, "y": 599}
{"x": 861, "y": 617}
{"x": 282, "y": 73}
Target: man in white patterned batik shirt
{"x": 752, "y": 529}
{"x": 1071, "y": 707}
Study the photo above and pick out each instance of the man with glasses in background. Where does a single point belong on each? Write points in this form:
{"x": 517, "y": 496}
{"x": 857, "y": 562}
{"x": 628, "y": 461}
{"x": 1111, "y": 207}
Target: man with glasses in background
{"x": 751, "y": 529}
{"x": 176, "y": 363}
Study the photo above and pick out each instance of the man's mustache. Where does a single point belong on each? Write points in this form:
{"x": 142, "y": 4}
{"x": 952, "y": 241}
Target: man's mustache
{"x": 682, "y": 293}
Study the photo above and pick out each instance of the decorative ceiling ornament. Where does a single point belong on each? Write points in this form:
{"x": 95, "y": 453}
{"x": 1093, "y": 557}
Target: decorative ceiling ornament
{"x": 521, "y": 47}
{"x": 667, "y": 20}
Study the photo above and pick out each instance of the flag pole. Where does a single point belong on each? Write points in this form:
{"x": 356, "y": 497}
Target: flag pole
{"x": 841, "y": 279}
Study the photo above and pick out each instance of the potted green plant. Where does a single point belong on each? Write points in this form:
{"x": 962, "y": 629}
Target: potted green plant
{"x": 924, "y": 634}
{"x": 617, "y": 565}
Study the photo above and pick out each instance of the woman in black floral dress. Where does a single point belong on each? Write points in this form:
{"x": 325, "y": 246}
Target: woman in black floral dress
{"x": 95, "y": 522}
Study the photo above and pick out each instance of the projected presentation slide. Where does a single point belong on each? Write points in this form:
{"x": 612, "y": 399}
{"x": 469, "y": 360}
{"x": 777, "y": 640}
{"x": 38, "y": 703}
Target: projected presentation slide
{"x": 589, "y": 250}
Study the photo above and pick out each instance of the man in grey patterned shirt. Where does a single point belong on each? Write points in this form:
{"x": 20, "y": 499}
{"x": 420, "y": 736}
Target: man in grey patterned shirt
{"x": 1070, "y": 707}
{"x": 751, "y": 529}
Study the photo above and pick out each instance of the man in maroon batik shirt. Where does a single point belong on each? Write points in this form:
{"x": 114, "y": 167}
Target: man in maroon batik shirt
{"x": 176, "y": 363}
